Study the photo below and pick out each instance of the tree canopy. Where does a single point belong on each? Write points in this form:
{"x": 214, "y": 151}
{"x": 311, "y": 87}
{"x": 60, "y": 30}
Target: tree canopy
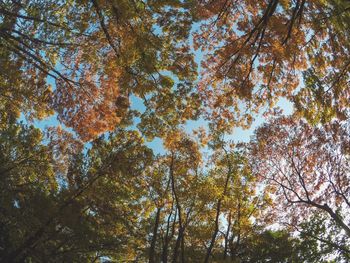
{"x": 111, "y": 76}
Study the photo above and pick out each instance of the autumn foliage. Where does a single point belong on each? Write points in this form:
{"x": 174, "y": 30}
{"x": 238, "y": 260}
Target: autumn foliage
{"x": 109, "y": 77}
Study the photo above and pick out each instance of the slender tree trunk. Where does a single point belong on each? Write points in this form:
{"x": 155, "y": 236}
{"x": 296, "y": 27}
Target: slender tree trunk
{"x": 154, "y": 237}
{"x": 174, "y": 224}
{"x": 183, "y": 246}
{"x": 235, "y": 247}
{"x": 178, "y": 243}
{"x": 227, "y": 235}
{"x": 178, "y": 206}
{"x": 216, "y": 230}
{"x": 166, "y": 239}
{"x": 218, "y": 210}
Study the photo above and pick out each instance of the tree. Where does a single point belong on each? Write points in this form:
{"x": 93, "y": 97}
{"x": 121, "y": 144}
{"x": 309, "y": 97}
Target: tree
{"x": 95, "y": 210}
{"x": 278, "y": 246}
{"x": 234, "y": 203}
{"x": 27, "y": 183}
{"x": 256, "y": 52}
{"x": 98, "y": 193}
{"x": 305, "y": 167}
{"x": 98, "y": 54}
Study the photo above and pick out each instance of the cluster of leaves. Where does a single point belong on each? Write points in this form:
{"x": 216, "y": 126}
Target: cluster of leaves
{"x": 204, "y": 199}
{"x": 256, "y": 53}
{"x": 119, "y": 202}
{"x": 98, "y": 54}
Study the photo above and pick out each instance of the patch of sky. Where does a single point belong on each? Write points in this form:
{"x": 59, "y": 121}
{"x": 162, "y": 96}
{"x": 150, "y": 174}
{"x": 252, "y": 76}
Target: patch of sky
{"x": 238, "y": 134}
{"x": 244, "y": 135}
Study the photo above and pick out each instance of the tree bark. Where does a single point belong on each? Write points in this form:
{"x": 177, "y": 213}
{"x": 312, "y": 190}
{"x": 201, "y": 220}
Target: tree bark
{"x": 227, "y": 235}
{"x": 178, "y": 206}
{"x": 167, "y": 238}
{"x": 218, "y": 210}
{"x": 154, "y": 237}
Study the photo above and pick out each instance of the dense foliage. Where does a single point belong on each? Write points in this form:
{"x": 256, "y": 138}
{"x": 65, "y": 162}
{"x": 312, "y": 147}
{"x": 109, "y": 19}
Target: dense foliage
{"x": 112, "y": 75}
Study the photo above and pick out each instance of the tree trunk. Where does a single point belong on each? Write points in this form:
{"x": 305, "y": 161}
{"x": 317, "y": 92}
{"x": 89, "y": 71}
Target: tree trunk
{"x": 166, "y": 239}
{"x": 178, "y": 206}
{"x": 218, "y": 210}
{"x": 235, "y": 248}
{"x": 227, "y": 235}
{"x": 154, "y": 237}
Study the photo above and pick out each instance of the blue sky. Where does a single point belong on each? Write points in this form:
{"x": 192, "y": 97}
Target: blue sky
{"x": 238, "y": 134}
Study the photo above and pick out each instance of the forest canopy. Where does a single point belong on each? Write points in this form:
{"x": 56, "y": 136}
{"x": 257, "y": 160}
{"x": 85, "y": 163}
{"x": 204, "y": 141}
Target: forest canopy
{"x": 110, "y": 76}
